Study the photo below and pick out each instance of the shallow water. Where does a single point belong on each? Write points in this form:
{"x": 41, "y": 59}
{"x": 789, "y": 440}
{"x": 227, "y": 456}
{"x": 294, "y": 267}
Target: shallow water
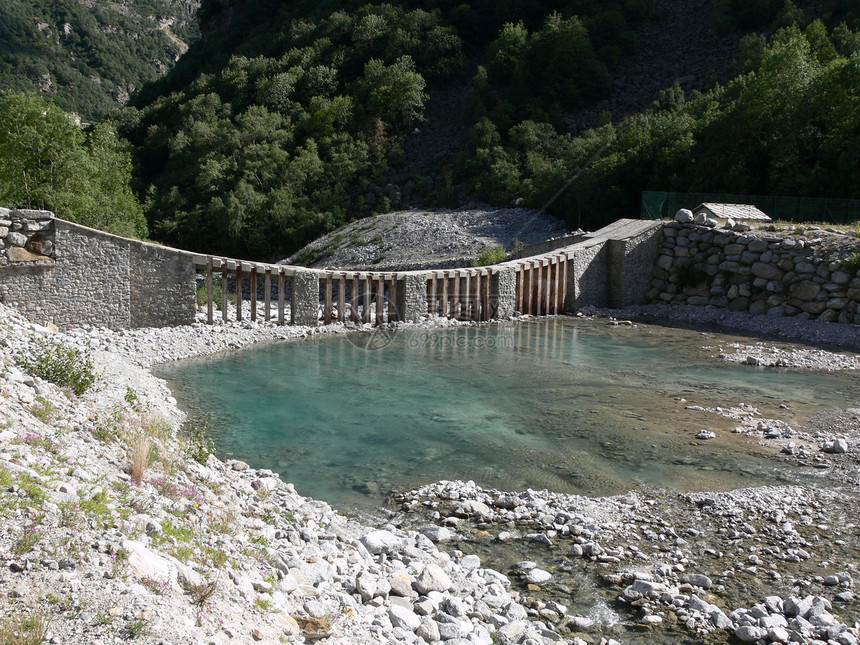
{"x": 565, "y": 404}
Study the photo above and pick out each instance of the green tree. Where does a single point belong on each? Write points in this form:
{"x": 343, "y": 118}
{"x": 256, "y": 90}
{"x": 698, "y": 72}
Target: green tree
{"x": 48, "y": 161}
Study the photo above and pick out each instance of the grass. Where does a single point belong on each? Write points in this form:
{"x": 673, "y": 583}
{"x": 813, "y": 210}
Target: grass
{"x": 140, "y": 455}
{"x": 25, "y": 629}
{"x": 43, "y": 409}
{"x": 24, "y": 544}
{"x": 217, "y": 294}
{"x": 852, "y": 262}
{"x": 137, "y": 628}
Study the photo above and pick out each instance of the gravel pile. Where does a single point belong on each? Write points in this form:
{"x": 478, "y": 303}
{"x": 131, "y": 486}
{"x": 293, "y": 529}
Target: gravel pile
{"x": 426, "y": 239}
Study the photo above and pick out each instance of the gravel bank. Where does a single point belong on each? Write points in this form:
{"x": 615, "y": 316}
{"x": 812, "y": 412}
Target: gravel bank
{"x": 195, "y": 552}
{"x": 217, "y": 552}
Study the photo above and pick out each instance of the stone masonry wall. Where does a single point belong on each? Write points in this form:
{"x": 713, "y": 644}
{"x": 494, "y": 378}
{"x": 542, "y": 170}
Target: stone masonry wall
{"x": 26, "y": 237}
{"x": 91, "y": 277}
{"x": 813, "y": 276}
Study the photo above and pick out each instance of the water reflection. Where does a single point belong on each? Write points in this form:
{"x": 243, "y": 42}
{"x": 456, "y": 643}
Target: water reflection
{"x": 565, "y": 404}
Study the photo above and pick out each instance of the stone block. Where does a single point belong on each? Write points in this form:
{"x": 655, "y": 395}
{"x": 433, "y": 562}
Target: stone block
{"x": 767, "y": 271}
{"x": 31, "y": 214}
{"x": 814, "y": 308}
{"x": 20, "y": 254}
{"x": 16, "y": 239}
{"x": 739, "y": 304}
{"x": 806, "y": 290}
{"x": 759, "y": 307}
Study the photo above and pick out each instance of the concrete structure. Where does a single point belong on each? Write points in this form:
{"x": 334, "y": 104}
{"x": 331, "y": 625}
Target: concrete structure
{"x": 59, "y": 272}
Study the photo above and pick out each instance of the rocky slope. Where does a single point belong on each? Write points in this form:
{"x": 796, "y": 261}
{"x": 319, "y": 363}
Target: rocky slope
{"x": 422, "y": 239}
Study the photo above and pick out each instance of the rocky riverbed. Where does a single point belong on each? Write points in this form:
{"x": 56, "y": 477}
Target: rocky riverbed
{"x": 197, "y": 550}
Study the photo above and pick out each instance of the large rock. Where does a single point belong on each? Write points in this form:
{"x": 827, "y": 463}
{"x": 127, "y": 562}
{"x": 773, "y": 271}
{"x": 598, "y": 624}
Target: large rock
{"x": 471, "y": 508}
{"x": 684, "y": 216}
{"x": 805, "y": 290}
{"x": 538, "y": 576}
{"x": 767, "y": 271}
{"x": 377, "y": 542}
{"x": 403, "y": 618}
{"x": 164, "y": 569}
{"x": 698, "y": 580}
{"x": 433, "y": 578}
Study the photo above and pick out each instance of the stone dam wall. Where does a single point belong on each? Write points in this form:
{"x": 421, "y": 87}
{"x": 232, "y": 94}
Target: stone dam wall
{"x": 55, "y": 271}
{"x": 58, "y": 272}
{"x": 759, "y": 273}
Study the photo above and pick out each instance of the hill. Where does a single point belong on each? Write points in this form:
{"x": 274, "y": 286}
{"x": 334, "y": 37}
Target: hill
{"x": 90, "y": 57}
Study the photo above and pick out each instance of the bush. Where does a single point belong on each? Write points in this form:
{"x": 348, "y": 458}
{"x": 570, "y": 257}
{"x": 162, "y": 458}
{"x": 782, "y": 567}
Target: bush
{"x": 490, "y": 255}
{"x": 62, "y": 364}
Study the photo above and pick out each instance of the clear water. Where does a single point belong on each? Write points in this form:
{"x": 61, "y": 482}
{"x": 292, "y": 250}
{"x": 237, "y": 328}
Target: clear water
{"x": 565, "y": 404}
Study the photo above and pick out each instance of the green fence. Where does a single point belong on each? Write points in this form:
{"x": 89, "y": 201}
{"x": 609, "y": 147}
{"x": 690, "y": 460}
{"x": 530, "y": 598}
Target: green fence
{"x": 662, "y": 205}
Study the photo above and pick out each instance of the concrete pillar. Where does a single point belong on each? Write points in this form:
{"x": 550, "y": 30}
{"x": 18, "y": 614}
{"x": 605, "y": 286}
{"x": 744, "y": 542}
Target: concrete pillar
{"x": 503, "y": 293}
{"x": 412, "y": 297}
{"x": 305, "y": 300}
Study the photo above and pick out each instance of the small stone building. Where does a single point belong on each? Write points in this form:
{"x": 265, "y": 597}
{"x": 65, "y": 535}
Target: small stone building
{"x": 736, "y": 212}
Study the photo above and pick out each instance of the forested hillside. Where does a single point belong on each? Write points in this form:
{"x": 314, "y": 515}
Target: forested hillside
{"x": 288, "y": 119}
{"x": 89, "y": 57}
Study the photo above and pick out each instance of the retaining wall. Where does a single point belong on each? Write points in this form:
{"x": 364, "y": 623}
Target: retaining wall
{"x": 759, "y": 273}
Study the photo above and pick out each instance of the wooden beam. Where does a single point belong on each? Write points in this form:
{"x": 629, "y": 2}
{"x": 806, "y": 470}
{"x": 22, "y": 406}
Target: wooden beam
{"x": 539, "y": 285}
{"x": 392, "y": 299}
{"x": 341, "y": 298}
{"x": 564, "y": 283}
{"x": 548, "y": 303}
{"x": 353, "y": 305}
{"x": 210, "y": 306}
{"x": 527, "y": 289}
{"x": 267, "y": 285}
{"x": 479, "y": 298}
{"x": 254, "y": 293}
{"x": 431, "y": 295}
{"x": 380, "y": 300}
{"x": 455, "y": 297}
{"x": 444, "y": 304}
{"x": 239, "y": 291}
{"x": 367, "y": 290}
{"x": 281, "y": 289}
{"x": 521, "y": 278}
{"x": 224, "y": 290}
{"x": 327, "y": 302}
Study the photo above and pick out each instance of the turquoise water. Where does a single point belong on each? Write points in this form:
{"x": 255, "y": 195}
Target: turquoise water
{"x": 565, "y": 404}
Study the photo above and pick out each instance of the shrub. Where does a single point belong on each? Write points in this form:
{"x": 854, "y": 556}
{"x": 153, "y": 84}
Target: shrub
{"x": 61, "y": 364}
{"x": 200, "y": 446}
{"x": 490, "y": 255}
{"x": 852, "y": 262}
